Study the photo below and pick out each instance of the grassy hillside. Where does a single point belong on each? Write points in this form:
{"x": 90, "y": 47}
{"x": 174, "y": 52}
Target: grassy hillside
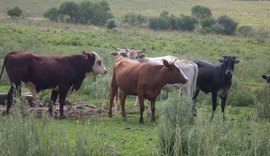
{"x": 252, "y": 13}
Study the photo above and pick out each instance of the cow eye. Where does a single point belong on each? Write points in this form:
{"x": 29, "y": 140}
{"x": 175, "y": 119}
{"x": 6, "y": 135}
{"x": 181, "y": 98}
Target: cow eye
{"x": 99, "y": 62}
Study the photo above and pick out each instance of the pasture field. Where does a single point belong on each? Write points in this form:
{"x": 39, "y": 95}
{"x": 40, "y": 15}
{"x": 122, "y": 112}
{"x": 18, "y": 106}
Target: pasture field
{"x": 243, "y": 133}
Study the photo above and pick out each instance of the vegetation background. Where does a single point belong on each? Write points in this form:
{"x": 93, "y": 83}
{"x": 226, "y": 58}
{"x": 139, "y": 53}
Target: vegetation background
{"x": 245, "y": 132}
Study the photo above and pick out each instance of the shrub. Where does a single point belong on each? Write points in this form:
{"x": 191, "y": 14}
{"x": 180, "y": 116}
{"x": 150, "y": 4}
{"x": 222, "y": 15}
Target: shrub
{"x": 96, "y": 13}
{"x": 15, "y": 12}
{"x": 246, "y": 31}
{"x": 229, "y": 25}
{"x": 71, "y": 9}
{"x": 187, "y": 23}
{"x": 111, "y": 23}
{"x": 201, "y": 12}
{"x": 52, "y": 14}
{"x": 133, "y": 19}
{"x": 218, "y": 29}
{"x": 208, "y": 22}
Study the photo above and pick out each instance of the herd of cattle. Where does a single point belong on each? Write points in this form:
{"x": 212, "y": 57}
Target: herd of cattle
{"x": 133, "y": 74}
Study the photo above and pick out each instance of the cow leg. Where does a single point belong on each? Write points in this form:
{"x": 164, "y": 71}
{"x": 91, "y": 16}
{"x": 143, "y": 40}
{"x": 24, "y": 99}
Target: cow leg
{"x": 54, "y": 97}
{"x": 149, "y": 108}
{"x": 123, "y": 99}
{"x": 214, "y": 104}
{"x": 116, "y": 101}
{"x": 223, "y": 103}
{"x": 153, "y": 118}
{"x": 137, "y": 103}
{"x": 62, "y": 98}
{"x": 9, "y": 98}
{"x": 141, "y": 100}
{"x": 112, "y": 95}
{"x": 194, "y": 109}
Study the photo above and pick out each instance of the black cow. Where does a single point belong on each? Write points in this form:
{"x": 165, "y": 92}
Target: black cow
{"x": 39, "y": 72}
{"x": 267, "y": 78}
{"x": 217, "y": 79}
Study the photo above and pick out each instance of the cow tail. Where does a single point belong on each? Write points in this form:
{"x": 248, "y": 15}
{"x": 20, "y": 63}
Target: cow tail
{"x": 3, "y": 66}
{"x": 196, "y": 70}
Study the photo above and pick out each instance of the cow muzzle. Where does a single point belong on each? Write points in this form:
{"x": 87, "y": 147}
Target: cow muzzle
{"x": 228, "y": 72}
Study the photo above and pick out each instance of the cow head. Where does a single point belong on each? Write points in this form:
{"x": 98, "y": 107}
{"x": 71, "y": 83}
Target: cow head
{"x": 98, "y": 67}
{"x": 228, "y": 63}
{"x": 267, "y": 78}
{"x": 176, "y": 74}
{"x": 128, "y": 53}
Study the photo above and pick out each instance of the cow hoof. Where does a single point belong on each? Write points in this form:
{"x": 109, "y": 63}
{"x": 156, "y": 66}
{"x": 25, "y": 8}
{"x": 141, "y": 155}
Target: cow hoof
{"x": 141, "y": 121}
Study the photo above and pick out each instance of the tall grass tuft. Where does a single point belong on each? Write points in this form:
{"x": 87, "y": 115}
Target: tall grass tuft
{"x": 21, "y": 133}
{"x": 181, "y": 134}
{"x": 263, "y": 106}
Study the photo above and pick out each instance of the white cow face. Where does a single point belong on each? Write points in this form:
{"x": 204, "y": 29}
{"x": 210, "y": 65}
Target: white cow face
{"x": 98, "y": 67}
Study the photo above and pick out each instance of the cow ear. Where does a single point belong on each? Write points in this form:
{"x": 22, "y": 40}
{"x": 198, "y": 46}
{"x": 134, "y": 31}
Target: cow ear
{"x": 114, "y": 53}
{"x": 141, "y": 55}
{"x": 123, "y": 54}
{"x": 166, "y": 63}
{"x": 85, "y": 54}
{"x": 237, "y": 61}
{"x": 264, "y": 77}
{"x": 220, "y": 60}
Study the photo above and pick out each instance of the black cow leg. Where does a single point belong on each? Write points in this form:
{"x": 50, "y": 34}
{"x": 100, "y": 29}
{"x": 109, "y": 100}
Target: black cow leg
{"x": 9, "y": 99}
{"x": 214, "y": 104}
{"x": 194, "y": 108}
{"x": 62, "y": 98}
{"x": 54, "y": 97}
{"x": 223, "y": 103}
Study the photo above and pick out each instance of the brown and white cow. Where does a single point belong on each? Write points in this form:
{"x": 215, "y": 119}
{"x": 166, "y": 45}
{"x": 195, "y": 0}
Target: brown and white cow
{"x": 142, "y": 79}
{"x": 189, "y": 68}
{"x": 60, "y": 73}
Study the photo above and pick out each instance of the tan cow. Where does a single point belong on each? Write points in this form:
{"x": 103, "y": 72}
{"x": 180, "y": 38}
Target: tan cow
{"x": 142, "y": 79}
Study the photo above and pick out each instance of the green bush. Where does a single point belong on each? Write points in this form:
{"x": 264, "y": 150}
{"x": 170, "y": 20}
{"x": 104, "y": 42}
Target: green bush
{"x": 208, "y": 22}
{"x": 87, "y": 12}
{"x": 246, "y": 31}
{"x": 134, "y": 20}
{"x": 70, "y": 9}
{"x": 201, "y": 12}
{"x": 187, "y": 23}
{"x": 111, "y": 23}
{"x": 52, "y": 14}
{"x": 15, "y": 12}
{"x": 228, "y": 23}
{"x": 218, "y": 29}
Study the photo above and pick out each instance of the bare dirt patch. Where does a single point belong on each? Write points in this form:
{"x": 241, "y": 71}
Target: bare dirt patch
{"x": 78, "y": 110}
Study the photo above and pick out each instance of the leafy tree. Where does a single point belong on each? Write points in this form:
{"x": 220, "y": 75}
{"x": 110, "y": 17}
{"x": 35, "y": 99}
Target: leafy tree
{"x": 201, "y": 12}
{"x": 71, "y": 9}
{"x": 86, "y": 12}
{"x": 101, "y": 13}
{"x": 52, "y": 14}
{"x": 229, "y": 25}
{"x": 15, "y": 12}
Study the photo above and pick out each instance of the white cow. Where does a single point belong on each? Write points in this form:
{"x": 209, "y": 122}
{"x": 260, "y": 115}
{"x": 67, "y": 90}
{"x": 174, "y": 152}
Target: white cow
{"x": 189, "y": 68}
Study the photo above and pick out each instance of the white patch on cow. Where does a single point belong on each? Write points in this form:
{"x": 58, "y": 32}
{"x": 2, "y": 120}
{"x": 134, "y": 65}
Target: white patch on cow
{"x": 98, "y": 67}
